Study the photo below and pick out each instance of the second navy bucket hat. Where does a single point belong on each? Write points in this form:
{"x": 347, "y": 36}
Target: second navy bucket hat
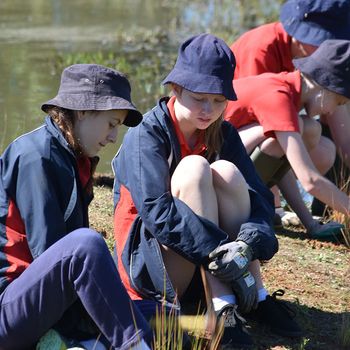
{"x": 94, "y": 87}
{"x": 205, "y": 64}
{"x": 313, "y": 21}
{"x": 329, "y": 66}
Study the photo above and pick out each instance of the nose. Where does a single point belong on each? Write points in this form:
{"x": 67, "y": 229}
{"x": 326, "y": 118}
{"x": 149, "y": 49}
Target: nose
{"x": 207, "y": 107}
{"x": 112, "y": 136}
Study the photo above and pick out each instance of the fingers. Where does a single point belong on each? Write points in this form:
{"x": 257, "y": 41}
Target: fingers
{"x": 224, "y": 276}
{"x": 218, "y": 252}
{"x": 218, "y": 265}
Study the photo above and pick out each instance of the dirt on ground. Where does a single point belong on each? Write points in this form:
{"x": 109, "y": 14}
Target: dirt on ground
{"x": 314, "y": 275}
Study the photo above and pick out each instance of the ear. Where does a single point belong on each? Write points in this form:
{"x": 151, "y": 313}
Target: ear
{"x": 177, "y": 90}
{"x": 297, "y": 49}
{"x": 80, "y": 115}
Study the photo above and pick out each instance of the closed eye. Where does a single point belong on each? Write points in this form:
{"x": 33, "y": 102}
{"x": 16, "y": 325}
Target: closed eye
{"x": 115, "y": 123}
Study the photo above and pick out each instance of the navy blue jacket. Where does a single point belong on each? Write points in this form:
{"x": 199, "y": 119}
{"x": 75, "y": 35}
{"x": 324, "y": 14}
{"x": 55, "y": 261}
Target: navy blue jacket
{"x": 41, "y": 198}
{"x": 144, "y": 166}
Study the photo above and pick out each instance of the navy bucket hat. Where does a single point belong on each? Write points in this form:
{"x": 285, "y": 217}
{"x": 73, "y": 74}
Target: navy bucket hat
{"x": 329, "y": 66}
{"x": 205, "y": 64}
{"x": 92, "y": 87}
{"x": 313, "y": 21}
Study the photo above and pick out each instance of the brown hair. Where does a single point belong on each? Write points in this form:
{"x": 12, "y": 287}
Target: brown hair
{"x": 65, "y": 119}
{"x": 213, "y": 139}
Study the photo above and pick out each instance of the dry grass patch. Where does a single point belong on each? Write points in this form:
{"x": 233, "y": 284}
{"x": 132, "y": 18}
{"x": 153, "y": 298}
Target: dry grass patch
{"x": 315, "y": 276}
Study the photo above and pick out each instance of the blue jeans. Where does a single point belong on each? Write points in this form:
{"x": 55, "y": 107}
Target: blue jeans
{"x": 76, "y": 269}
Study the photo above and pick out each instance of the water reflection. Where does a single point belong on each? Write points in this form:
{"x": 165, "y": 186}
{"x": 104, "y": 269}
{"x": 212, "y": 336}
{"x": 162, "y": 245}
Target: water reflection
{"x": 36, "y": 34}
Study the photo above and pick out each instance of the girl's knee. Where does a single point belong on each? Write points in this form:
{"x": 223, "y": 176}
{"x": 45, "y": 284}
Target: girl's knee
{"x": 311, "y": 133}
{"x": 227, "y": 174}
{"x": 191, "y": 171}
{"x": 87, "y": 240}
{"x": 328, "y": 151}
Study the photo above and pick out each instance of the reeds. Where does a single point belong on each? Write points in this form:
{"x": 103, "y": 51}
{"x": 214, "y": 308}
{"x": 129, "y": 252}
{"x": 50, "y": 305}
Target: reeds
{"x": 343, "y": 183}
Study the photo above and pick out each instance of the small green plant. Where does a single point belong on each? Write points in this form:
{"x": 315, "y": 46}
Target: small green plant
{"x": 170, "y": 331}
{"x": 202, "y": 329}
{"x": 303, "y": 343}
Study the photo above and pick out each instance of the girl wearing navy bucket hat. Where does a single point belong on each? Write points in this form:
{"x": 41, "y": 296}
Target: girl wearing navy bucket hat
{"x": 58, "y": 281}
{"x": 303, "y": 26}
{"x": 187, "y": 196}
{"x": 266, "y": 117}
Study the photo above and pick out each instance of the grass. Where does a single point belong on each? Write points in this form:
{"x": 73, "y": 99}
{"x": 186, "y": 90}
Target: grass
{"x": 315, "y": 276}
{"x": 342, "y": 180}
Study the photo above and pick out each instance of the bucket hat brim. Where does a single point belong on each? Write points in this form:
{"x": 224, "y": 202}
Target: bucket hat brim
{"x": 103, "y": 103}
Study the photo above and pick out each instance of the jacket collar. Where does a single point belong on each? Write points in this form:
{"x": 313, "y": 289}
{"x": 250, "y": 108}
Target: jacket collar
{"x": 55, "y": 131}
{"x": 161, "y": 112}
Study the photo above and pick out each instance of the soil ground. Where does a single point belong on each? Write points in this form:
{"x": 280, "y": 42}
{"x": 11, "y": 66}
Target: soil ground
{"x": 314, "y": 275}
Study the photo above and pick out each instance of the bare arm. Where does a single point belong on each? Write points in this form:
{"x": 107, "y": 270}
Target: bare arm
{"x": 292, "y": 195}
{"x": 309, "y": 177}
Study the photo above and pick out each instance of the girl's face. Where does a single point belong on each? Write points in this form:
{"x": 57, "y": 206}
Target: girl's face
{"x": 95, "y": 129}
{"x": 324, "y": 102}
{"x": 197, "y": 110}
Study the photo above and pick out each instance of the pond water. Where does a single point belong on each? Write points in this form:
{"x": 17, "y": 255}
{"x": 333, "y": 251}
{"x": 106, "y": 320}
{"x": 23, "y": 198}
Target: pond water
{"x": 39, "y": 37}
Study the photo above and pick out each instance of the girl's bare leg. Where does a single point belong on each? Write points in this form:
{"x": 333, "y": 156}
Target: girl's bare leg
{"x": 192, "y": 182}
{"x": 234, "y": 205}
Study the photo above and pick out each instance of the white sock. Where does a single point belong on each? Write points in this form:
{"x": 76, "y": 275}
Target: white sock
{"x": 223, "y": 300}
{"x": 142, "y": 345}
{"x": 262, "y": 294}
{"x": 280, "y": 211}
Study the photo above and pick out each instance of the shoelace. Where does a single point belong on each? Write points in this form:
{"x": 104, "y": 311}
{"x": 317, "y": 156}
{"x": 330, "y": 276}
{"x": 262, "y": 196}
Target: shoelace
{"x": 231, "y": 316}
{"x": 281, "y": 303}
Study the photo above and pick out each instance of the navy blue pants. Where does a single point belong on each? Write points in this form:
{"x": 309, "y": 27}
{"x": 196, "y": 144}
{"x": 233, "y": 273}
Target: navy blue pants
{"x": 76, "y": 269}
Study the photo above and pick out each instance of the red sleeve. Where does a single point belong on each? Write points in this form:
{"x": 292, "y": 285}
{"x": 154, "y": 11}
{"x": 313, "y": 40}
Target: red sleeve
{"x": 276, "y": 111}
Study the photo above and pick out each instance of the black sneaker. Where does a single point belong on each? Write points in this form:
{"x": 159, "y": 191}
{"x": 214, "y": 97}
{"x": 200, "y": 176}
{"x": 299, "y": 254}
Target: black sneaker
{"x": 276, "y": 315}
{"x": 234, "y": 334}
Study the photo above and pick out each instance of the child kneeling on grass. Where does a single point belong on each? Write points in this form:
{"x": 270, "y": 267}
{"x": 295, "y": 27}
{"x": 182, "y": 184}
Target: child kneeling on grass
{"x": 268, "y": 121}
{"x": 271, "y": 48}
{"x": 55, "y": 272}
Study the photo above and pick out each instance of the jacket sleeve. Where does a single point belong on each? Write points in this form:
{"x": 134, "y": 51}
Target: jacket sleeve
{"x": 33, "y": 187}
{"x": 142, "y": 167}
{"x": 257, "y": 232}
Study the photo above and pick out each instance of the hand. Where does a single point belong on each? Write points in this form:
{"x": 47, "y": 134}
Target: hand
{"x": 246, "y": 292}
{"x": 230, "y": 261}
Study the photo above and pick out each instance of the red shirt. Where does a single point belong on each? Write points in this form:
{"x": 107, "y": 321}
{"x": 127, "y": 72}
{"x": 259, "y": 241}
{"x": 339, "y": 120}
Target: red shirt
{"x": 272, "y": 100}
{"x": 263, "y": 49}
{"x": 84, "y": 168}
